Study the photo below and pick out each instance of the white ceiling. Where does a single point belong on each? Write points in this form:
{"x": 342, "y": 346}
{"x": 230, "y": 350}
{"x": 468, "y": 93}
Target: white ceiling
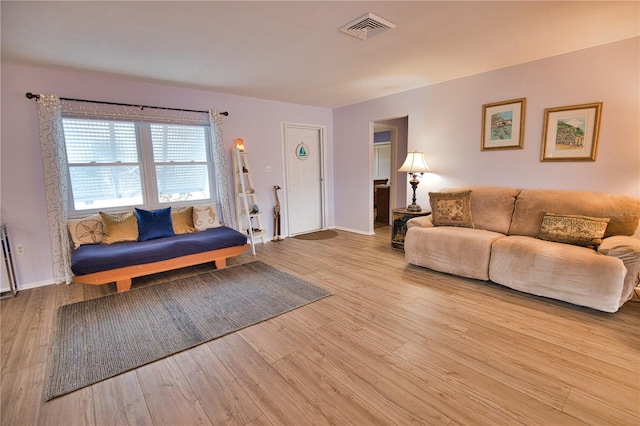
{"x": 294, "y": 51}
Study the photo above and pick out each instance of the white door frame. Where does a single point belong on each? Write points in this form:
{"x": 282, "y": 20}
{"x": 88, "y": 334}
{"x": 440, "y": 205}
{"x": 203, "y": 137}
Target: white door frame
{"x": 284, "y": 210}
{"x": 392, "y": 172}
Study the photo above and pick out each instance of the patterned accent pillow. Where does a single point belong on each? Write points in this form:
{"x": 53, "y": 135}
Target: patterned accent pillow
{"x": 451, "y": 208}
{"x": 573, "y": 229}
{"x": 183, "y": 221}
{"x": 119, "y": 227}
{"x": 86, "y": 230}
{"x": 205, "y": 216}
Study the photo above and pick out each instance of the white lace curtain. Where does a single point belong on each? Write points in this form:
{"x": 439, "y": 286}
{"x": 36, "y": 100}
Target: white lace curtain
{"x": 54, "y": 159}
{"x": 223, "y": 174}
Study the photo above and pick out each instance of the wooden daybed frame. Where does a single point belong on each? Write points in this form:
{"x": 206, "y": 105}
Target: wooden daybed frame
{"x": 122, "y": 276}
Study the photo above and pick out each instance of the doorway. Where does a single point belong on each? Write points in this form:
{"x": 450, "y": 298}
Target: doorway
{"x": 389, "y": 148}
{"x": 382, "y": 138}
{"x": 304, "y": 183}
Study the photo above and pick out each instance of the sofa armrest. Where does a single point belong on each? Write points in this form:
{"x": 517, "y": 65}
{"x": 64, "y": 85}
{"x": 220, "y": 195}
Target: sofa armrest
{"x": 627, "y": 249}
{"x": 420, "y": 222}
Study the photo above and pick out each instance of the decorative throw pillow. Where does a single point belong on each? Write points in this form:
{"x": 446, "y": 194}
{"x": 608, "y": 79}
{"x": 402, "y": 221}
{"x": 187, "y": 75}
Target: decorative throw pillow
{"x": 183, "y": 221}
{"x": 87, "y": 230}
{"x": 205, "y": 216}
{"x": 451, "y": 208}
{"x": 154, "y": 224}
{"x": 573, "y": 229}
{"x": 117, "y": 228}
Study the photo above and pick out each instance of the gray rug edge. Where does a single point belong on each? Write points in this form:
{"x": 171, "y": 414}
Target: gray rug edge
{"x": 49, "y": 395}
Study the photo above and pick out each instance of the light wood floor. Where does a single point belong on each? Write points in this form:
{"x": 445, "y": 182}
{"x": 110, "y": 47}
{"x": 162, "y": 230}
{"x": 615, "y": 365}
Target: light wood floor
{"x": 395, "y": 344}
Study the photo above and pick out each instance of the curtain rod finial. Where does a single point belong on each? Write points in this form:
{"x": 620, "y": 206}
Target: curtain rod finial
{"x": 30, "y": 95}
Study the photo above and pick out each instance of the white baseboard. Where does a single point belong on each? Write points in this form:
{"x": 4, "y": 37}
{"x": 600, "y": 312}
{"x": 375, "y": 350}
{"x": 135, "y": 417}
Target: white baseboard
{"x": 35, "y": 284}
{"x": 355, "y": 231}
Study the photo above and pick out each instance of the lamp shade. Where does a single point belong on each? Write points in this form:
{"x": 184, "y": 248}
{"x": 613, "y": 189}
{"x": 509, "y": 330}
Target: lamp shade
{"x": 414, "y": 163}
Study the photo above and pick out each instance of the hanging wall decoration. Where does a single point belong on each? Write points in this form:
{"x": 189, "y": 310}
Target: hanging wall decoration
{"x": 571, "y": 133}
{"x": 302, "y": 151}
{"x": 503, "y": 125}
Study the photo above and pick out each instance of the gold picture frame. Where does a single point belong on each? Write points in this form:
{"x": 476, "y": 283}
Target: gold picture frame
{"x": 503, "y": 125}
{"x": 571, "y": 133}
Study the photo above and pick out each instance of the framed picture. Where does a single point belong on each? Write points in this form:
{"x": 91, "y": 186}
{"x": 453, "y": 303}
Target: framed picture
{"x": 503, "y": 125}
{"x": 571, "y": 133}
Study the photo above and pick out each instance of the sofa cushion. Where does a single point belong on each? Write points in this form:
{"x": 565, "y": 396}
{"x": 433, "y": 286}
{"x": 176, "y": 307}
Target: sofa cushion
{"x": 117, "y": 228}
{"x": 573, "y": 229}
{"x": 154, "y": 224}
{"x": 205, "y": 216}
{"x": 454, "y": 250}
{"x": 531, "y": 204}
{"x": 182, "y": 221}
{"x": 491, "y": 206}
{"x": 626, "y": 249}
{"x": 86, "y": 230}
{"x": 451, "y": 208}
{"x": 575, "y": 274}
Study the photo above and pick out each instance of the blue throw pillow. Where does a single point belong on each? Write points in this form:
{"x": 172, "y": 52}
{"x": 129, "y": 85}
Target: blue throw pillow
{"x": 154, "y": 224}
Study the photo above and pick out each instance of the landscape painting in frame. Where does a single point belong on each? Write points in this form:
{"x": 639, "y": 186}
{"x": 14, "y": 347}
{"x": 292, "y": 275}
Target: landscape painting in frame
{"x": 571, "y": 133}
{"x": 503, "y": 125}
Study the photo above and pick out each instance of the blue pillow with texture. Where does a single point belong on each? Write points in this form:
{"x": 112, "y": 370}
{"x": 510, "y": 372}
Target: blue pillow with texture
{"x": 154, "y": 224}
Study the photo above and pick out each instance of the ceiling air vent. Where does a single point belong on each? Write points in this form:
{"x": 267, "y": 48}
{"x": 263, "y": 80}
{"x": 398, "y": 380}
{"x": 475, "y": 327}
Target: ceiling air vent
{"x": 367, "y": 25}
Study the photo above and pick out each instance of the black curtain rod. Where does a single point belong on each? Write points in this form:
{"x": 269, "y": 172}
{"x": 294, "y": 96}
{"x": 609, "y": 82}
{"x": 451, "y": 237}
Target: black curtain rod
{"x": 30, "y": 95}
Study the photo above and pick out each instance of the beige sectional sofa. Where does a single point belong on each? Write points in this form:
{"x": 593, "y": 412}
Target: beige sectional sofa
{"x": 510, "y": 236}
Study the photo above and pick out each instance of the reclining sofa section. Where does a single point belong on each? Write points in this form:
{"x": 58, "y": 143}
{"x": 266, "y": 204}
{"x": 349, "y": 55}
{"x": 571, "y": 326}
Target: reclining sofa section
{"x": 502, "y": 245}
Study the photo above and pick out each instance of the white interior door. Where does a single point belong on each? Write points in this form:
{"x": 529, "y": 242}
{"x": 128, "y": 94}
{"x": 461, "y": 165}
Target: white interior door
{"x": 304, "y": 186}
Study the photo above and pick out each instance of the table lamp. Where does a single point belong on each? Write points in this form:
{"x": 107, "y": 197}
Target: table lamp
{"x": 414, "y": 165}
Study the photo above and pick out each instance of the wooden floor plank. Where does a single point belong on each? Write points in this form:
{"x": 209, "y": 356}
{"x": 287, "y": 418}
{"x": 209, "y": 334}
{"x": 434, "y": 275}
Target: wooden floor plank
{"x": 31, "y": 344}
{"x": 361, "y": 373}
{"x": 21, "y": 395}
{"x": 503, "y": 398}
{"x": 336, "y": 403}
{"x": 593, "y": 411}
{"x": 120, "y": 401}
{"x": 264, "y": 384}
{"x": 76, "y": 408}
{"x": 169, "y": 397}
{"x": 266, "y": 341}
{"x": 222, "y": 397}
{"x": 11, "y": 316}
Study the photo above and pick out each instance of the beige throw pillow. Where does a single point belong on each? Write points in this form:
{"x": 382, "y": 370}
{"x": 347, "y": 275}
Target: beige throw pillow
{"x": 183, "y": 221}
{"x": 205, "y": 216}
{"x": 573, "y": 229}
{"x": 119, "y": 228}
{"x": 451, "y": 208}
{"x": 86, "y": 230}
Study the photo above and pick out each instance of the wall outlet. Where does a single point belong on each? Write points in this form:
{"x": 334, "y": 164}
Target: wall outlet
{"x": 268, "y": 169}
{"x": 20, "y": 249}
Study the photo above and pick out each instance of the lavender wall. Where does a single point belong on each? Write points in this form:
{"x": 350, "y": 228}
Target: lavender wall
{"x": 445, "y": 123}
{"x": 22, "y": 202}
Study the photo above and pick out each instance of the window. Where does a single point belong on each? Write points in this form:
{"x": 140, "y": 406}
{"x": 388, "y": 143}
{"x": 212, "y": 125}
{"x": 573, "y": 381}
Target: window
{"x": 115, "y": 164}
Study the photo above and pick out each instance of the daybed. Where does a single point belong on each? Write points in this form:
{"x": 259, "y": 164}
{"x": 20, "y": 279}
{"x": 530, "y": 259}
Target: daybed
{"x": 574, "y": 246}
{"x": 117, "y": 248}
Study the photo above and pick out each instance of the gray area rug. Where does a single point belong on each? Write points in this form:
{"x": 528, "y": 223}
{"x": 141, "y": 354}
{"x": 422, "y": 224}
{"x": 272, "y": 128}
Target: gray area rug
{"x": 101, "y": 338}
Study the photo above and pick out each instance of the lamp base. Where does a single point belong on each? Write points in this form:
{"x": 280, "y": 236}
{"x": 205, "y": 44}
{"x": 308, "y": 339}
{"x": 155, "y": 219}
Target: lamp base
{"x": 413, "y": 207}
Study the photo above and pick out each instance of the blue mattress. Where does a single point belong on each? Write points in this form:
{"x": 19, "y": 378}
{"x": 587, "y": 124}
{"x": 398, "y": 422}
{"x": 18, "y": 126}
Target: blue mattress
{"x": 91, "y": 258}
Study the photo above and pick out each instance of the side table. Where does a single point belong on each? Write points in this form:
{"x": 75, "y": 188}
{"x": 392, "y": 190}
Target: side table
{"x": 400, "y": 218}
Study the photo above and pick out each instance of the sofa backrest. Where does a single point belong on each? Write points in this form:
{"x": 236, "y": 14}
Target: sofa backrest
{"x": 491, "y": 206}
{"x": 532, "y": 204}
